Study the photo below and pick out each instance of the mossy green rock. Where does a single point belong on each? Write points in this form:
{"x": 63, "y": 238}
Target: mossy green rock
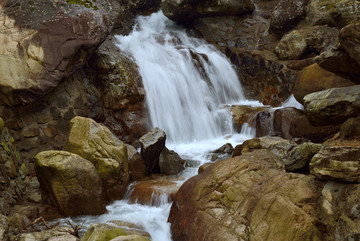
{"x": 332, "y": 106}
{"x": 97, "y": 144}
{"x": 107, "y": 232}
{"x": 337, "y": 163}
{"x": 246, "y": 198}
{"x": 71, "y": 182}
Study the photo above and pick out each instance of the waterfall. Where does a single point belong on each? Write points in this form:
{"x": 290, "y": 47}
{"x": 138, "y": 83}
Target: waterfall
{"x": 187, "y": 81}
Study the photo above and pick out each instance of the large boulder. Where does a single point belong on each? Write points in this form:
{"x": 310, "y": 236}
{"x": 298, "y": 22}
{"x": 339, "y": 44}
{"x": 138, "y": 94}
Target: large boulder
{"x": 152, "y": 143}
{"x": 300, "y": 156}
{"x": 244, "y": 198}
{"x": 332, "y": 106}
{"x": 337, "y": 163}
{"x": 282, "y": 121}
{"x": 306, "y": 41}
{"x": 350, "y": 129}
{"x": 301, "y": 127}
{"x": 170, "y": 162}
{"x": 287, "y": 14}
{"x": 349, "y": 39}
{"x": 71, "y": 182}
{"x": 97, "y": 144}
{"x": 332, "y": 12}
{"x": 314, "y": 78}
{"x": 103, "y": 231}
{"x": 121, "y": 93}
{"x": 45, "y": 41}
{"x": 185, "y": 11}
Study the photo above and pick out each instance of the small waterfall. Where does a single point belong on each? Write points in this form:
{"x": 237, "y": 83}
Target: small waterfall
{"x": 187, "y": 81}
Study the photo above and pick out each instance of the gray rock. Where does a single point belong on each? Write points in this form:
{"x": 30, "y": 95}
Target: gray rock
{"x": 300, "y": 156}
{"x": 332, "y": 106}
{"x": 337, "y": 163}
{"x": 152, "y": 143}
{"x": 170, "y": 162}
{"x": 4, "y": 226}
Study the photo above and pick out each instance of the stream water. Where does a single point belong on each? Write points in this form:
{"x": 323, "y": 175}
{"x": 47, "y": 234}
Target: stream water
{"x": 188, "y": 84}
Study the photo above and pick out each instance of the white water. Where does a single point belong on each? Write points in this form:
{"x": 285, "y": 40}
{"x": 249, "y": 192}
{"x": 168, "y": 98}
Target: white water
{"x": 186, "y": 101}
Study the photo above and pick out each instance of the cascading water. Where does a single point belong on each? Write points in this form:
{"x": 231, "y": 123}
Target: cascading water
{"x": 186, "y": 80}
{"x": 188, "y": 84}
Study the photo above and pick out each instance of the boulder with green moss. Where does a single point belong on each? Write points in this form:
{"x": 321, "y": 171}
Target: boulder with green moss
{"x": 70, "y": 182}
{"x": 244, "y": 198}
{"x": 97, "y": 144}
{"x": 107, "y": 232}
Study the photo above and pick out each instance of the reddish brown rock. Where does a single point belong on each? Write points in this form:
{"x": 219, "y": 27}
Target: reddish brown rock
{"x": 282, "y": 121}
{"x": 301, "y": 127}
{"x": 154, "y": 192}
{"x": 137, "y": 166}
{"x": 350, "y": 129}
{"x": 314, "y": 78}
{"x": 244, "y": 198}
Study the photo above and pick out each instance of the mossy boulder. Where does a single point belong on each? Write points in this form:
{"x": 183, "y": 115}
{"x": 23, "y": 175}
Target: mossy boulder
{"x": 332, "y": 106}
{"x": 107, "y": 232}
{"x": 244, "y": 198}
{"x": 70, "y": 182}
{"x": 314, "y": 78}
{"x": 97, "y": 144}
{"x": 337, "y": 163}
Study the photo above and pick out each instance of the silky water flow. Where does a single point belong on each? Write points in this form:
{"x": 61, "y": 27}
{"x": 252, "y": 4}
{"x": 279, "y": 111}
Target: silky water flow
{"x": 189, "y": 84}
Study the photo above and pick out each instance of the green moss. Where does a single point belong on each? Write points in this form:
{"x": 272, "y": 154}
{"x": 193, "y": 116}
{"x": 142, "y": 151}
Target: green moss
{"x": 85, "y": 3}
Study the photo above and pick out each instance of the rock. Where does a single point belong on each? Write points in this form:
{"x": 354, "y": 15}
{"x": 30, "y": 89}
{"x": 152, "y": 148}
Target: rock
{"x": 131, "y": 229}
{"x": 278, "y": 146}
{"x": 55, "y": 234}
{"x": 154, "y": 192}
{"x": 170, "y": 162}
{"x": 137, "y": 166}
{"x": 102, "y": 231}
{"x": 350, "y": 129}
{"x": 302, "y": 128}
{"x": 306, "y": 42}
{"x": 242, "y": 114}
{"x": 203, "y": 167}
{"x": 185, "y": 11}
{"x": 97, "y": 144}
{"x": 152, "y": 143}
{"x": 264, "y": 124}
{"x": 349, "y": 39}
{"x": 332, "y": 106}
{"x": 314, "y": 78}
{"x": 1, "y": 124}
{"x": 337, "y": 163}
{"x": 282, "y": 121}
{"x": 287, "y": 14}
{"x": 300, "y": 156}
{"x": 71, "y": 182}
{"x": 333, "y": 12}
{"x": 244, "y": 198}
{"x": 35, "y": 59}
{"x": 122, "y": 93}
{"x": 263, "y": 77}
{"x": 291, "y": 46}
{"x": 338, "y": 61}
{"x": 4, "y": 226}
{"x": 221, "y": 153}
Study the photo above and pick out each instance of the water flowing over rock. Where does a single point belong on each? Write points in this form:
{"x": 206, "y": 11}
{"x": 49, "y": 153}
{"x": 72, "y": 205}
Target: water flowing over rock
{"x": 332, "y": 106}
{"x": 191, "y": 64}
{"x": 185, "y": 11}
{"x": 97, "y": 144}
{"x": 152, "y": 144}
{"x": 71, "y": 182}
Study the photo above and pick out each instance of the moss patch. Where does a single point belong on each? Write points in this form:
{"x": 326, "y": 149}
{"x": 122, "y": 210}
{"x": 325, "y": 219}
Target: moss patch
{"x": 85, "y": 3}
